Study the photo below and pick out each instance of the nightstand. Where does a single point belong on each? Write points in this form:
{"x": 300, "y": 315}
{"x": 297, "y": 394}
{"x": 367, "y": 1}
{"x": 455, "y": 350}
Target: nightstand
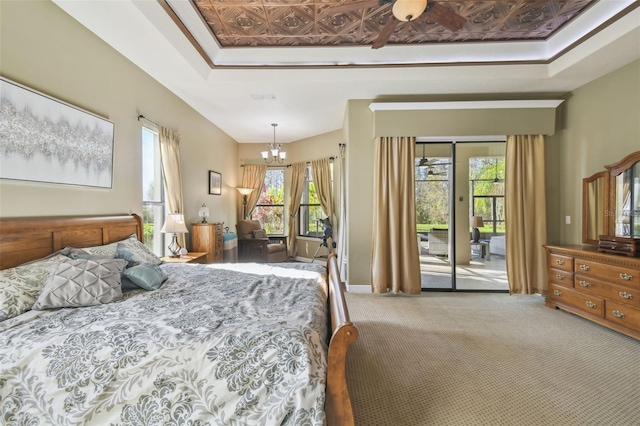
{"x": 191, "y": 257}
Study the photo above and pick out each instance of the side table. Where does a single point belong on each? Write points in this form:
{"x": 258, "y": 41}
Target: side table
{"x": 191, "y": 257}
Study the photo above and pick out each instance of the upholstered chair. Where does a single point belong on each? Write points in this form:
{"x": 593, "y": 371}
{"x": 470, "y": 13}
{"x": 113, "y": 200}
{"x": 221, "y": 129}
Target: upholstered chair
{"x": 254, "y": 245}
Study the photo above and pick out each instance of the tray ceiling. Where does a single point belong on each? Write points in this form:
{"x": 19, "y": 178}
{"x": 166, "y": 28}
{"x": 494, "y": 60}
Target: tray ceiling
{"x": 268, "y": 23}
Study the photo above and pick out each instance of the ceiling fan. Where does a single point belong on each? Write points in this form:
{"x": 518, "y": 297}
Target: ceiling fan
{"x": 406, "y": 10}
{"x": 430, "y": 163}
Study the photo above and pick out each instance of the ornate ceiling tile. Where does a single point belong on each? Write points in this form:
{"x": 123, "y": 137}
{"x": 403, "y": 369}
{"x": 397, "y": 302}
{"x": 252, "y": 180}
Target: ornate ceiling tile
{"x": 358, "y": 22}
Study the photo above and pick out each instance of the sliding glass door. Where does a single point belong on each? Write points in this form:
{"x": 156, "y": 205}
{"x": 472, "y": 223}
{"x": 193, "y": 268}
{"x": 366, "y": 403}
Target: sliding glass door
{"x": 460, "y": 215}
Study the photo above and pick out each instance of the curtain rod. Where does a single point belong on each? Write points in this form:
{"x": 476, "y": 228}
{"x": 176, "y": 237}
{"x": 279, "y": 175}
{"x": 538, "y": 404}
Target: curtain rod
{"x": 286, "y": 165}
{"x": 145, "y": 118}
{"x": 152, "y": 122}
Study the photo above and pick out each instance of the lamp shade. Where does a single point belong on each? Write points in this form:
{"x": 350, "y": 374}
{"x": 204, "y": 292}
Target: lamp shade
{"x": 204, "y": 211}
{"x": 476, "y": 222}
{"x": 408, "y": 10}
{"x": 175, "y": 224}
{"x": 245, "y": 191}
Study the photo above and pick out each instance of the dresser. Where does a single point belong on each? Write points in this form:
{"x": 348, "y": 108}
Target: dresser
{"x": 604, "y": 288}
{"x": 207, "y": 237}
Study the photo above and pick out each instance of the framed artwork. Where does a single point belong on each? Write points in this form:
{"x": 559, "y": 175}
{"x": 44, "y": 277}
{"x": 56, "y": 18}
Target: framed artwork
{"x": 215, "y": 183}
{"x": 43, "y": 139}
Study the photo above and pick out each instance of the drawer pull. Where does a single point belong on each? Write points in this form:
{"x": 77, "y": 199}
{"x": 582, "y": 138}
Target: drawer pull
{"x": 585, "y": 284}
{"x": 557, "y": 292}
{"x": 560, "y": 277}
{"x": 626, "y": 277}
{"x": 617, "y": 314}
{"x": 559, "y": 262}
{"x": 625, "y": 295}
{"x": 590, "y": 304}
{"x": 585, "y": 267}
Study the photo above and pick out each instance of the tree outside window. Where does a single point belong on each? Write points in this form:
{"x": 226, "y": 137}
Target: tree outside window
{"x": 310, "y": 211}
{"x": 269, "y": 210}
{"x": 152, "y": 191}
{"x": 486, "y": 175}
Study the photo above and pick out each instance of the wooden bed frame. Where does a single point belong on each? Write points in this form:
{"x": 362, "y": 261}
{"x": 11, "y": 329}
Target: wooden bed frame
{"x": 25, "y": 239}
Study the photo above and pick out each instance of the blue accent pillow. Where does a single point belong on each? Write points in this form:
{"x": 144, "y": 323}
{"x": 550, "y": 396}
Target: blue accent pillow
{"x": 146, "y": 275}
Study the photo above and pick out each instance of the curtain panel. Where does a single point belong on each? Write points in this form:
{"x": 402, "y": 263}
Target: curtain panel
{"x": 170, "y": 158}
{"x": 295, "y": 196}
{"x": 395, "y": 262}
{"x": 525, "y": 210}
{"x": 252, "y": 177}
{"x": 321, "y": 172}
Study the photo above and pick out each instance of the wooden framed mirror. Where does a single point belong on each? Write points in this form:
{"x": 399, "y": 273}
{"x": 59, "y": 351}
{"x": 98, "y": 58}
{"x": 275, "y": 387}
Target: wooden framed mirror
{"x": 624, "y": 197}
{"x": 595, "y": 200}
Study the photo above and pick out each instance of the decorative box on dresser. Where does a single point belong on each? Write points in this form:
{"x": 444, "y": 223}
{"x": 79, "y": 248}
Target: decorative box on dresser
{"x": 207, "y": 237}
{"x": 603, "y": 288}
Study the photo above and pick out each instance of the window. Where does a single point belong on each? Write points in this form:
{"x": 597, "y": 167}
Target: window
{"x": 270, "y": 208}
{"x": 311, "y": 211}
{"x": 152, "y": 191}
{"x": 486, "y": 187}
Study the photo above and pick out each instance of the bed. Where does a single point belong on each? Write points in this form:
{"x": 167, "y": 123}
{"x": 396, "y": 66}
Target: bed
{"x": 214, "y": 344}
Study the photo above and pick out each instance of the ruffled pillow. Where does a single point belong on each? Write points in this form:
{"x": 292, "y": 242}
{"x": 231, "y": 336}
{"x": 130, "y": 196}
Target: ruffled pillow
{"x": 82, "y": 282}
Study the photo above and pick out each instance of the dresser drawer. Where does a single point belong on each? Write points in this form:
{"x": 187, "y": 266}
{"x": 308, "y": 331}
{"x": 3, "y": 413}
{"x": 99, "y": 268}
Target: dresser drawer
{"x": 624, "y": 315}
{"x": 564, "y": 263}
{"x": 583, "y": 301}
{"x": 560, "y": 277}
{"x": 627, "y": 295}
{"x": 613, "y": 274}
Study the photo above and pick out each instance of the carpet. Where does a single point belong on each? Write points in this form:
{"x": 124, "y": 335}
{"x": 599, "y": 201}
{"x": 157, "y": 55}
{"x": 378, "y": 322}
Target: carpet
{"x": 486, "y": 359}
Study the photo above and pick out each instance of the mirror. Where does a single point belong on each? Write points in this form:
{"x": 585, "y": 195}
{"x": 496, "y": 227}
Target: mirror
{"x": 624, "y": 192}
{"x": 594, "y": 200}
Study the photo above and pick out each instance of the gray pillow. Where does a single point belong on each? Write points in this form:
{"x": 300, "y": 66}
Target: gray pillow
{"x": 82, "y": 282}
{"x": 146, "y": 275}
{"x": 259, "y": 233}
{"x": 135, "y": 252}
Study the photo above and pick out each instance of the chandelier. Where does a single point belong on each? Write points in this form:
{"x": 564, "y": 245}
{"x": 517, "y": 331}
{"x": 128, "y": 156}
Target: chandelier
{"x": 274, "y": 153}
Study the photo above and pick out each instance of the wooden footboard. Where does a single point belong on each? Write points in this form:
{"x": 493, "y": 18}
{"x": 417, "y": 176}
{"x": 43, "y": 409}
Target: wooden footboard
{"x": 343, "y": 333}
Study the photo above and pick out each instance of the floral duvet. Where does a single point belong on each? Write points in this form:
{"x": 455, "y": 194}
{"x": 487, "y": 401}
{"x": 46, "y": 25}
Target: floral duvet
{"x": 215, "y": 345}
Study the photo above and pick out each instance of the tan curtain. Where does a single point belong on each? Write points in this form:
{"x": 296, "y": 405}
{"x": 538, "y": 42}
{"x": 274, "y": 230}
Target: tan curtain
{"x": 252, "y": 177}
{"x": 170, "y": 158}
{"x": 395, "y": 263}
{"x": 525, "y": 210}
{"x": 295, "y": 196}
{"x": 321, "y": 171}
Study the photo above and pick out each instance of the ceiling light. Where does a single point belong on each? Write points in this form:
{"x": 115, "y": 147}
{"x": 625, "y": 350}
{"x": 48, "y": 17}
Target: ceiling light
{"x": 408, "y": 10}
{"x": 274, "y": 153}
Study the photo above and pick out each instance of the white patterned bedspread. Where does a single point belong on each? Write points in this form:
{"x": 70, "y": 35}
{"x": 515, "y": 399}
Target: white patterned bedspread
{"x": 212, "y": 346}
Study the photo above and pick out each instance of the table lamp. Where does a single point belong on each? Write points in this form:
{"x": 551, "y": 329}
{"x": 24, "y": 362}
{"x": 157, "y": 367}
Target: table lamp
{"x": 174, "y": 225}
{"x": 476, "y": 222}
{"x": 203, "y": 213}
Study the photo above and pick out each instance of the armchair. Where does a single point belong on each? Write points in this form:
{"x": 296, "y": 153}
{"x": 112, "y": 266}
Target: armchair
{"x": 254, "y": 245}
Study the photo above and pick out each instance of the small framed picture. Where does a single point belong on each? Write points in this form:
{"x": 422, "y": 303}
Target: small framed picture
{"x": 215, "y": 183}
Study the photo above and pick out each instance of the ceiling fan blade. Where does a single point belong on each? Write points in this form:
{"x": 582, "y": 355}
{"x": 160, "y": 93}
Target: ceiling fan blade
{"x": 386, "y": 32}
{"x": 351, "y": 7}
{"x": 445, "y": 16}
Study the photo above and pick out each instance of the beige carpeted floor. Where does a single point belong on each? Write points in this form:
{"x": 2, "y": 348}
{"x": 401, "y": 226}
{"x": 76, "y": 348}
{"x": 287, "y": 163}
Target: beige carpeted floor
{"x": 481, "y": 359}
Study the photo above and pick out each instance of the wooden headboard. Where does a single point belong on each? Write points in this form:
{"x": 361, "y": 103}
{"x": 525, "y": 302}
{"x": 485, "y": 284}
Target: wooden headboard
{"x": 25, "y": 239}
